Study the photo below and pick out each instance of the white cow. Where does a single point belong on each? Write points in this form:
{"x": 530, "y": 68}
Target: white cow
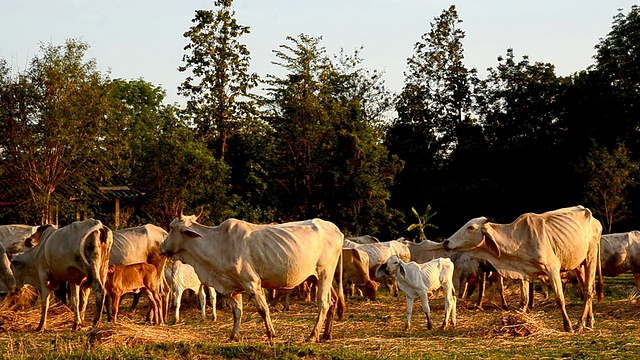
{"x": 181, "y": 277}
{"x": 416, "y": 280}
{"x": 620, "y": 253}
{"x": 539, "y": 244}
{"x": 238, "y": 256}
{"x": 77, "y": 253}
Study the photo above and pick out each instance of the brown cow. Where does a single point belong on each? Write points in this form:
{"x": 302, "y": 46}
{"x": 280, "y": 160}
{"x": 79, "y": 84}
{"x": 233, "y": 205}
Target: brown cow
{"x": 355, "y": 272}
{"x": 134, "y": 278}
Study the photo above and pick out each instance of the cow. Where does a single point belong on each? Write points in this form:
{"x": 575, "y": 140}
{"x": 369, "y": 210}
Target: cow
{"x": 620, "y": 253}
{"x": 426, "y": 250}
{"x": 13, "y": 237}
{"x": 364, "y": 239}
{"x": 237, "y": 256}
{"x": 379, "y": 253}
{"x": 77, "y": 253}
{"x": 134, "y": 278}
{"x": 416, "y": 280}
{"x": 540, "y": 244}
{"x": 355, "y": 272}
{"x": 137, "y": 245}
{"x": 181, "y": 277}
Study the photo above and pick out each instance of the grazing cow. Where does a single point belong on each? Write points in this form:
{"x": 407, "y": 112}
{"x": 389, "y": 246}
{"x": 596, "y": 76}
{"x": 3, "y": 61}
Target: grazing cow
{"x": 7, "y": 280}
{"x": 416, "y": 280}
{"x": 355, "y": 272}
{"x": 539, "y": 244}
{"x": 181, "y": 277}
{"x": 237, "y": 256}
{"x": 620, "y": 253}
{"x": 137, "y": 245}
{"x": 13, "y": 237}
{"x": 77, "y": 253}
{"x": 379, "y": 253}
{"x": 364, "y": 239}
{"x": 134, "y": 278}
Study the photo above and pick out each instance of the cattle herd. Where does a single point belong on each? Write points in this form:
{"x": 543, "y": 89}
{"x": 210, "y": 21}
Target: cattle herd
{"x": 237, "y": 257}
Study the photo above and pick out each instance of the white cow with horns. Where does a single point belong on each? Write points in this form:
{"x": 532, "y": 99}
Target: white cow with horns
{"x": 540, "y": 244}
{"x": 237, "y": 256}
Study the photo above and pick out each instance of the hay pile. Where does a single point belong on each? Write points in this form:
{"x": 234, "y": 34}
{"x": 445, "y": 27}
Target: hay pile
{"x": 519, "y": 324}
{"x": 21, "y": 312}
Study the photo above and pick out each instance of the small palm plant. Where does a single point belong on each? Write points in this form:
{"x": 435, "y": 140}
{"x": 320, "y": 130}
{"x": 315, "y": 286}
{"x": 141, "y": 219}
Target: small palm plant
{"x": 423, "y": 222}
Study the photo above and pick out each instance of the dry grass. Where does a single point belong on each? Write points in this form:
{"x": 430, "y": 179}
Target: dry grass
{"x": 369, "y": 330}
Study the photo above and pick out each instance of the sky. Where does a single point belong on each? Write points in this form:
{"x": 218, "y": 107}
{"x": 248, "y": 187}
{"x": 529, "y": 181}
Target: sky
{"x": 143, "y": 39}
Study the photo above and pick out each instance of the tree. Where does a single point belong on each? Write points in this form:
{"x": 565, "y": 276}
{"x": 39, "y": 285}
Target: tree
{"x": 219, "y": 82}
{"x": 423, "y": 222}
{"x": 326, "y": 117}
{"x": 53, "y": 121}
{"x": 609, "y": 175}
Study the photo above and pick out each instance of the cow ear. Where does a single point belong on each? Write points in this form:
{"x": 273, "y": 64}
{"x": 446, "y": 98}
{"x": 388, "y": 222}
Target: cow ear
{"x": 192, "y": 234}
{"x": 489, "y": 240}
{"x": 402, "y": 272}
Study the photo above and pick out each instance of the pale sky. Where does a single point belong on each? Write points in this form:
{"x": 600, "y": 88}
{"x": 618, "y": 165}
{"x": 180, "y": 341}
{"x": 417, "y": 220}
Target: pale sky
{"x": 144, "y": 39}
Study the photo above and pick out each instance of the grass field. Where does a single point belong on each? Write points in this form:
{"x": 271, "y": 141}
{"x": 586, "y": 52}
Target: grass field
{"x": 369, "y": 330}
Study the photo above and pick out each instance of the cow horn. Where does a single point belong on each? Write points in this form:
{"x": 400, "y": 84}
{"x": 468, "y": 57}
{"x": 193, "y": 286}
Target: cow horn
{"x": 181, "y": 215}
{"x": 201, "y": 211}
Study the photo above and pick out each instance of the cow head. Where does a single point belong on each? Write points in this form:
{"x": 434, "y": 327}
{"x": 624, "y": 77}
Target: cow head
{"x": 34, "y": 239}
{"x": 180, "y": 230}
{"x": 370, "y": 289}
{"x": 474, "y": 234}
{"x": 392, "y": 266}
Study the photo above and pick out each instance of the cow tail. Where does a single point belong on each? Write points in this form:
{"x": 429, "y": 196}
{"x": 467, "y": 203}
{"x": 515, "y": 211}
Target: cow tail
{"x": 341, "y": 304}
{"x": 600, "y": 285}
{"x": 106, "y": 242}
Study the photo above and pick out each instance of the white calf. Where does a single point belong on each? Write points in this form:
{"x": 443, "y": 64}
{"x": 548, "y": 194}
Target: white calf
{"x": 416, "y": 280}
{"x": 181, "y": 277}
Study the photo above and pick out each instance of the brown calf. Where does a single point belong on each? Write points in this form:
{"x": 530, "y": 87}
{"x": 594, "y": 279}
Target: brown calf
{"x": 134, "y": 278}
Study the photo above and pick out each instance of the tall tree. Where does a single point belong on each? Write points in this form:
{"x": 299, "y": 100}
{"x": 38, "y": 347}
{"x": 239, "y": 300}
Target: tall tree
{"x": 219, "y": 81}
{"x": 53, "y": 121}
{"x": 327, "y": 118}
{"x": 434, "y": 113}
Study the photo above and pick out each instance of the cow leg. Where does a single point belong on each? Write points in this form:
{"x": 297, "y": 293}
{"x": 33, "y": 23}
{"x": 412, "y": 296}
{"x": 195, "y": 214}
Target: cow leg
{"x": 213, "y": 298}
{"x": 426, "y": 309}
{"x": 236, "y": 306}
{"x": 202, "y": 297}
{"x": 636, "y": 276}
{"x": 531, "y": 295}
{"x": 407, "y": 324}
{"x": 99, "y": 292}
{"x": 524, "y": 295}
{"x": 155, "y": 318}
{"x": 503, "y": 301}
{"x": 116, "y": 306}
{"x": 177, "y": 301}
{"x": 588, "y": 289}
{"x": 482, "y": 280}
{"x": 260, "y": 301}
{"x": 323, "y": 299}
{"x": 328, "y": 324}
{"x": 136, "y": 300}
{"x": 449, "y": 301}
{"x": 45, "y": 294}
{"x": 75, "y": 304}
{"x": 556, "y": 283}
{"x": 84, "y": 301}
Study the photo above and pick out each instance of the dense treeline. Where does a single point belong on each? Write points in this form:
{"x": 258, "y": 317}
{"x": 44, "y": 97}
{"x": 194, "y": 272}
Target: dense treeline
{"x": 326, "y": 139}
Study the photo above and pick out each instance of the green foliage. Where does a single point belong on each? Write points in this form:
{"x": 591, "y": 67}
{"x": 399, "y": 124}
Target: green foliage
{"x": 218, "y": 81}
{"x": 609, "y": 175}
{"x": 423, "y": 222}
